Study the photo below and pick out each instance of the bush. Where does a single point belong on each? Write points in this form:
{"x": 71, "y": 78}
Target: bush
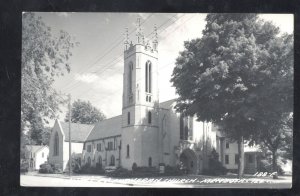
{"x": 134, "y": 166}
{"x": 24, "y": 167}
{"x": 86, "y": 169}
{"x": 265, "y": 166}
{"x": 120, "y": 172}
{"x": 46, "y": 169}
{"x": 215, "y": 166}
{"x": 173, "y": 171}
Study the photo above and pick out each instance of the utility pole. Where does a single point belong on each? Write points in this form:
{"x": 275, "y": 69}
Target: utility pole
{"x": 70, "y": 156}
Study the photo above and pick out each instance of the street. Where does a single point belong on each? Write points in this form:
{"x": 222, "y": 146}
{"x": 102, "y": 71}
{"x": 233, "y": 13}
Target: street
{"x": 170, "y": 182}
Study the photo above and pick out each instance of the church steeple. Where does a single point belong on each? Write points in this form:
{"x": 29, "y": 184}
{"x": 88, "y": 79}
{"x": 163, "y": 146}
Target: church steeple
{"x": 155, "y": 39}
{"x": 139, "y": 32}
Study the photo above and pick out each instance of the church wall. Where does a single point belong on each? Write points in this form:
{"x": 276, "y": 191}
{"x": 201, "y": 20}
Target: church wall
{"x": 56, "y": 159}
{"x": 75, "y": 148}
{"x": 105, "y": 152}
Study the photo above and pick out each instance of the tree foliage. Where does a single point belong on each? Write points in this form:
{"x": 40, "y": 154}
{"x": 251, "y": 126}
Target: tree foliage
{"x": 85, "y": 113}
{"x": 239, "y": 75}
{"x": 44, "y": 57}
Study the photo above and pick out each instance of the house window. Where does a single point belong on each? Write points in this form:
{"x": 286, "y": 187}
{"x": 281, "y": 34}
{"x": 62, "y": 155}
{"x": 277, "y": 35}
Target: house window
{"x": 42, "y": 155}
{"x": 236, "y": 159}
{"x": 128, "y": 118}
{"x": 148, "y": 77}
{"x": 112, "y": 160}
{"x": 56, "y": 145}
{"x": 227, "y": 145}
{"x": 130, "y": 77}
{"x": 150, "y": 162}
{"x": 227, "y": 159}
{"x": 89, "y": 148}
{"x": 127, "y": 154}
{"x": 149, "y": 117}
{"x": 110, "y": 146}
{"x": 250, "y": 158}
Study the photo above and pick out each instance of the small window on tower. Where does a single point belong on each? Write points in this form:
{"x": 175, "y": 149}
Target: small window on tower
{"x": 128, "y": 118}
{"x": 227, "y": 144}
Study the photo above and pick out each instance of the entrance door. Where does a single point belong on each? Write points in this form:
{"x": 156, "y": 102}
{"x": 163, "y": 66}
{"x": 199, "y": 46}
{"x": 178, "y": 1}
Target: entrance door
{"x": 189, "y": 161}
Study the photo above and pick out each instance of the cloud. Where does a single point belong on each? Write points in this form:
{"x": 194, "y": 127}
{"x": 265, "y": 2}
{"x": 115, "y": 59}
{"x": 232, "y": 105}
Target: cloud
{"x": 86, "y": 78}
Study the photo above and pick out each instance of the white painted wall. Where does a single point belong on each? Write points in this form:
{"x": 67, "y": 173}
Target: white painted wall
{"x": 41, "y": 157}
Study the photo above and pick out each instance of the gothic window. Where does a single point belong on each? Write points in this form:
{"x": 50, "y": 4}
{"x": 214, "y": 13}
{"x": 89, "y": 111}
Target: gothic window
{"x": 89, "y": 148}
{"x": 112, "y": 160}
{"x": 128, "y": 118}
{"x": 150, "y": 162}
{"x": 227, "y": 144}
{"x": 56, "y": 144}
{"x": 149, "y": 117}
{"x": 100, "y": 161}
{"x": 130, "y": 77}
{"x": 89, "y": 161}
{"x": 148, "y": 77}
{"x": 127, "y": 152}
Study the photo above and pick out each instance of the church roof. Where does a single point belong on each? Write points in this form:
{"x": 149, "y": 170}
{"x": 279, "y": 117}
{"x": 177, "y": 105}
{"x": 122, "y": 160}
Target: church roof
{"x": 79, "y": 132}
{"x": 34, "y": 148}
{"x": 167, "y": 104}
{"x": 106, "y": 128}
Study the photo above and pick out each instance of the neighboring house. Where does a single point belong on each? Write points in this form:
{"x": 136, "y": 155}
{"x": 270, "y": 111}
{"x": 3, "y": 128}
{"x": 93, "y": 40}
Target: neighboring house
{"x": 59, "y": 142}
{"x": 36, "y": 155}
{"x": 228, "y": 154}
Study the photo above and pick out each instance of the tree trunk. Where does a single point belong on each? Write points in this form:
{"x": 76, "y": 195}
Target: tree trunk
{"x": 274, "y": 161}
{"x": 241, "y": 156}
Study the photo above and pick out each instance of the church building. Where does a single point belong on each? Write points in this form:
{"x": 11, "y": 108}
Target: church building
{"x": 148, "y": 132}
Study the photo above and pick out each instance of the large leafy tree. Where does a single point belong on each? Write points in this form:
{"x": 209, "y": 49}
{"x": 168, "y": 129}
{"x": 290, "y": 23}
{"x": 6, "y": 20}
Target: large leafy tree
{"x": 226, "y": 75}
{"x": 85, "y": 113}
{"x": 45, "y": 56}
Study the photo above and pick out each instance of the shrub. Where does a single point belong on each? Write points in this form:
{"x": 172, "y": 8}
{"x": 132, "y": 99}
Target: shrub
{"x": 24, "y": 167}
{"x": 86, "y": 169}
{"x": 120, "y": 172}
{"x": 215, "y": 166}
{"x": 265, "y": 166}
{"x": 134, "y": 166}
{"x": 173, "y": 171}
{"x": 46, "y": 169}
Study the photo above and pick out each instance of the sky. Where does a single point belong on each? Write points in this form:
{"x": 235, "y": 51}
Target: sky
{"x": 97, "y": 62}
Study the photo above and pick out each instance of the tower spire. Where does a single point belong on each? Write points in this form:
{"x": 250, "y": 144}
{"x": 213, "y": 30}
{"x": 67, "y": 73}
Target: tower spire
{"x": 155, "y": 38}
{"x": 139, "y": 32}
{"x": 126, "y": 42}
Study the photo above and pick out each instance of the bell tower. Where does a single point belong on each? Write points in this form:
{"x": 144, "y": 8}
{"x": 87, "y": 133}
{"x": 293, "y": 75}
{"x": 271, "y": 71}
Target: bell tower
{"x": 140, "y": 100}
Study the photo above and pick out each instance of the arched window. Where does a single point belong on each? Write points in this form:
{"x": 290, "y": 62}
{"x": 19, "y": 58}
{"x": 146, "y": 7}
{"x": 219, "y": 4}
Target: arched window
{"x": 127, "y": 152}
{"x": 150, "y": 162}
{"x": 89, "y": 161}
{"x": 149, "y": 117}
{"x": 148, "y": 77}
{"x": 130, "y": 77}
{"x": 56, "y": 145}
{"x": 112, "y": 160}
{"x": 100, "y": 161}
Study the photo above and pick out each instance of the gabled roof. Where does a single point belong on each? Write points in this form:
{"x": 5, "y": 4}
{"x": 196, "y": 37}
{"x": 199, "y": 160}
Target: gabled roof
{"x": 34, "y": 148}
{"x": 79, "y": 132}
{"x": 106, "y": 128}
{"x": 167, "y": 104}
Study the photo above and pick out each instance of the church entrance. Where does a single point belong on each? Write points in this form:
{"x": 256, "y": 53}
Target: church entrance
{"x": 188, "y": 160}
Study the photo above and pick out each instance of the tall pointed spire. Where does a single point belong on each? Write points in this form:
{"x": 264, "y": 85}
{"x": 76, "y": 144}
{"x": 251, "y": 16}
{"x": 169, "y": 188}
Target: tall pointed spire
{"x": 139, "y": 32}
{"x": 126, "y": 42}
{"x": 155, "y": 38}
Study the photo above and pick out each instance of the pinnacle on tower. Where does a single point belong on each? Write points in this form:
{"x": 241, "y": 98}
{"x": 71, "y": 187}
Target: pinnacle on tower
{"x": 139, "y": 32}
{"x": 155, "y": 38}
{"x": 126, "y": 42}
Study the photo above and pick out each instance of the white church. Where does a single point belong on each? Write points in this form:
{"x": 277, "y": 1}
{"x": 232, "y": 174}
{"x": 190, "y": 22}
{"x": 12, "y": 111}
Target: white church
{"x": 147, "y": 132}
